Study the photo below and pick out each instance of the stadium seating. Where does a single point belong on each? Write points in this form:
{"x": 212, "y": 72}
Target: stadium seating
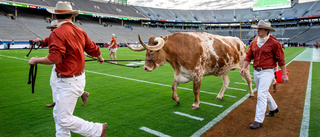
{"x": 30, "y": 25}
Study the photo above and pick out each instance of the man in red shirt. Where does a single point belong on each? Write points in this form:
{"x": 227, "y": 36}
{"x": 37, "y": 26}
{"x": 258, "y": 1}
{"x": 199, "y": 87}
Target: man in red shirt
{"x": 113, "y": 48}
{"x": 265, "y": 53}
{"x": 67, "y": 43}
{"x": 53, "y": 78}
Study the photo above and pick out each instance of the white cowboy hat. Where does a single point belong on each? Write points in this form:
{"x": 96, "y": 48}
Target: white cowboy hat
{"x": 63, "y": 7}
{"x": 54, "y": 24}
{"x": 264, "y": 25}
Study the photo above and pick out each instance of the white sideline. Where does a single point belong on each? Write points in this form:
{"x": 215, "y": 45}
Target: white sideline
{"x": 187, "y": 115}
{"x": 154, "y": 132}
{"x": 304, "y": 130}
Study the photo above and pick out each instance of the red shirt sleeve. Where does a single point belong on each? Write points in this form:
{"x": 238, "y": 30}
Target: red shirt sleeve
{"x": 279, "y": 55}
{"x": 56, "y": 52}
{"x": 44, "y": 43}
{"x": 91, "y": 48}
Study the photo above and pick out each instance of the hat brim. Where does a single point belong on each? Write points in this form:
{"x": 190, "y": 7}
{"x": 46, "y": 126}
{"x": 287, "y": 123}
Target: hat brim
{"x": 263, "y": 27}
{"x": 50, "y": 27}
{"x": 73, "y": 12}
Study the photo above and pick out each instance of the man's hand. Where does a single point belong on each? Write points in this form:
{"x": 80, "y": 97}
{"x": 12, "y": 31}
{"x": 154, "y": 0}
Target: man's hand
{"x": 242, "y": 70}
{"x": 37, "y": 40}
{"x": 33, "y": 61}
{"x": 285, "y": 79}
{"x": 100, "y": 59}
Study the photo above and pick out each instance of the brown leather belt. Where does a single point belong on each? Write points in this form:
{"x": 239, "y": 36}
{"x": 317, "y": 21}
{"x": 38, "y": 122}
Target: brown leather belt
{"x": 259, "y": 68}
{"x": 64, "y": 76}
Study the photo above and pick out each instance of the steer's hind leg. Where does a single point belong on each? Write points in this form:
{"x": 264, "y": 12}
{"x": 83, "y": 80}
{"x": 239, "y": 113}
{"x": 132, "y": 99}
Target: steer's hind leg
{"x": 175, "y": 97}
{"x": 226, "y": 82}
{"x": 196, "y": 91}
{"x": 247, "y": 78}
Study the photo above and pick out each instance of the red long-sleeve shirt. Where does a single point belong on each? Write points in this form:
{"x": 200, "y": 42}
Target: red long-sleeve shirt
{"x": 66, "y": 46}
{"x": 44, "y": 42}
{"x": 266, "y": 56}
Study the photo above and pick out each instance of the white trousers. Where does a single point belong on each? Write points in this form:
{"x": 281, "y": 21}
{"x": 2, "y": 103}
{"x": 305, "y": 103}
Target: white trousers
{"x": 67, "y": 91}
{"x": 263, "y": 81}
{"x": 53, "y": 80}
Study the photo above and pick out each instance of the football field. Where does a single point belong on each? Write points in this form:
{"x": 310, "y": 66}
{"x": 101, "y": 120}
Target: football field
{"x": 132, "y": 101}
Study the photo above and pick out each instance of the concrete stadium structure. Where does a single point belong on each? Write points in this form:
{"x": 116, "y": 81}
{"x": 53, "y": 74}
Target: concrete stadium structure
{"x": 99, "y": 19}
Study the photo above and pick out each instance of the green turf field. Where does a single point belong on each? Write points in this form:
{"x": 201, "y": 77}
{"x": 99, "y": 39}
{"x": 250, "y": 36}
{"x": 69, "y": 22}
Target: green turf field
{"x": 126, "y": 98}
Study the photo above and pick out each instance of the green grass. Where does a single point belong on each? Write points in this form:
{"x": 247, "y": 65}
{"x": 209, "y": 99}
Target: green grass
{"x": 315, "y": 102}
{"x": 116, "y": 97}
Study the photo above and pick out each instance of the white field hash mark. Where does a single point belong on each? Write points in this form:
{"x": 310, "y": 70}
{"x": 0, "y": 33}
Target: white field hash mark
{"x": 159, "y": 134}
{"x": 211, "y": 104}
{"x": 187, "y": 115}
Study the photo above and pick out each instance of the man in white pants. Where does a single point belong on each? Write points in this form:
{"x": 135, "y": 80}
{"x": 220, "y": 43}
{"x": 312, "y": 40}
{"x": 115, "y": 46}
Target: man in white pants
{"x": 67, "y": 44}
{"x": 266, "y": 52}
{"x": 53, "y": 77}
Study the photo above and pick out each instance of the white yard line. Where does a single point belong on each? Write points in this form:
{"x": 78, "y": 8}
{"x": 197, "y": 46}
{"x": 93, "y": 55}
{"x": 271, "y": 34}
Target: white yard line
{"x": 211, "y": 104}
{"x": 221, "y": 116}
{"x": 242, "y": 83}
{"x": 189, "y": 116}
{"x": 151, "y": 82}
{"x": 157, "y": 133}
{"x": 14, "y": 57}
{"x": 236, "y": 89}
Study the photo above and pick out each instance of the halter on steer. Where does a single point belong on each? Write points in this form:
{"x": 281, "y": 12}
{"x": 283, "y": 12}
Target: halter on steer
{"x": 148, "y": 58}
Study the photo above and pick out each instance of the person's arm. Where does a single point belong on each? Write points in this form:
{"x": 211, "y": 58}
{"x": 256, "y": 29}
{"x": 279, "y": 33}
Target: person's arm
{"x": 244, "y": 66}
{"x": 44, "y": 60}
{"x": 285, "y": 78}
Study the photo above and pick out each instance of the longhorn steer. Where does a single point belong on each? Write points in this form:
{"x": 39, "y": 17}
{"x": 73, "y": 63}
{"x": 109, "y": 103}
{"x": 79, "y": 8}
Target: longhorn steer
{"x": 193, "y": 55}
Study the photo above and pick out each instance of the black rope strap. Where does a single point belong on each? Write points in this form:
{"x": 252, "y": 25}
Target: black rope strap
{"x": 33, "y": 46}
{"x": 32, "y": 76}
{"x": 109, "y": 61}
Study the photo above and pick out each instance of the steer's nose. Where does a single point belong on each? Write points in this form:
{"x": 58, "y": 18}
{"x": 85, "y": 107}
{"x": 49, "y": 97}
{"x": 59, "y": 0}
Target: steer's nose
{"x": 147, "y": 69}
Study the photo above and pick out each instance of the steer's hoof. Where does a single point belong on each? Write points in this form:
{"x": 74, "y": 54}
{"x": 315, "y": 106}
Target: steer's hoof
{"x": 194, "y": 107}
{"x": 219, "y": 98}
{"x": 178, "y": 100}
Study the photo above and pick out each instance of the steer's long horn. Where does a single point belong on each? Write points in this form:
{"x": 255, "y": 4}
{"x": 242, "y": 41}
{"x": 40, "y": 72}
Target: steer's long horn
{"x": 159, "y": 41}
{"x": 135, "y": 49}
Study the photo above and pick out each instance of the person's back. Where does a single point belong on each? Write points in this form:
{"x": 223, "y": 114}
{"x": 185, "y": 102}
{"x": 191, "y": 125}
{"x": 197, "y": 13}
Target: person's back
{"x": 76, "y": 42}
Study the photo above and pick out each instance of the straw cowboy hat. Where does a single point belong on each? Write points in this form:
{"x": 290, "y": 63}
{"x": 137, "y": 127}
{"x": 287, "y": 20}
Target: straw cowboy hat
{"x": 63, "y": 7}
{"x": 54, "y": 24}
{"x": 264, "y": 25}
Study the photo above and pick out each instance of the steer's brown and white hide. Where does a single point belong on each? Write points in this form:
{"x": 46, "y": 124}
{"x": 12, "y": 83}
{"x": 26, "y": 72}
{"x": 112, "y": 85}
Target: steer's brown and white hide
{"x": 194, "y": 55}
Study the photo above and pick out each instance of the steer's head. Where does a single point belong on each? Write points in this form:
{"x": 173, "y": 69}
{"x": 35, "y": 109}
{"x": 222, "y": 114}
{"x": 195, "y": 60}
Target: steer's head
{"x": 155, "y": 55}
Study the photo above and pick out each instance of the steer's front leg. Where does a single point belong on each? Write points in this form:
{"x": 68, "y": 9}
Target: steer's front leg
{"x": 196, "y": 91}
{"x": 175, "y": 97}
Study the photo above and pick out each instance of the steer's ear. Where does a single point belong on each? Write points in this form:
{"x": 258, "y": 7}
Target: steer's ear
{"x": 165, "y": 38}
